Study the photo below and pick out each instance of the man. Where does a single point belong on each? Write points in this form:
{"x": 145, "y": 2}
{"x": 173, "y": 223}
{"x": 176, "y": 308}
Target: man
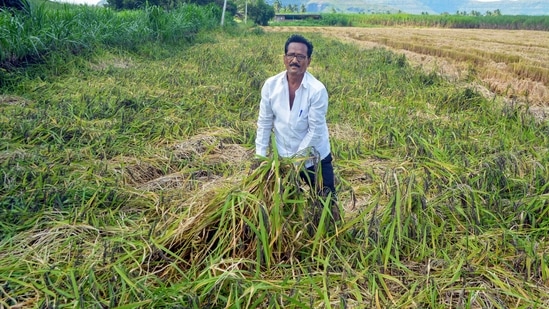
{"x": 294, "y": 103}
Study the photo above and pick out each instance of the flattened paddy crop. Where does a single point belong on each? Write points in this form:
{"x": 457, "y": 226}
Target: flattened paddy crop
{"x": 127, "y": 182}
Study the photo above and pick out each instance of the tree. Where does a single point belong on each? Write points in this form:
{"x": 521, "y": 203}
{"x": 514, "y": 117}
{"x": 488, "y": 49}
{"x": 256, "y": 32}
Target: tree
{"x": 168, "y": 4}
{"x": 13, "y": 4}
{"x": 260, "y": 12}
{"x": 277, "y": 5}
{"x": 293, "y": 8}
{"x": 230, "y": 10}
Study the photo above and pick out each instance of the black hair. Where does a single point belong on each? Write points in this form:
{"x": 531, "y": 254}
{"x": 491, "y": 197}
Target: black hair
{"x": 296, "y": 38}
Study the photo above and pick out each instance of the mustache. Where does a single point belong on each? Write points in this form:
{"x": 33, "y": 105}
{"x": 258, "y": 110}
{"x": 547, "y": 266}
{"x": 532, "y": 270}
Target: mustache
{"x": 295, "y": 65}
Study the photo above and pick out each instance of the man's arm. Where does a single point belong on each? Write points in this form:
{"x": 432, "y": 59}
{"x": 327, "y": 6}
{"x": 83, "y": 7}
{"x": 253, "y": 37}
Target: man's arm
{"x": 264, "y": 123}
{"x": 316, "y": 120}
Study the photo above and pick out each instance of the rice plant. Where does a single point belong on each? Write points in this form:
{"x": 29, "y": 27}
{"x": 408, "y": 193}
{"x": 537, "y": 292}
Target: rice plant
{"x": 127, "y": 181}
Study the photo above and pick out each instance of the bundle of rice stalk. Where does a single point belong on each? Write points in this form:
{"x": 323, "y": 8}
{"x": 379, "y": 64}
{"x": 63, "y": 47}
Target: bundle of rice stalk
{"x": 263, "y": 219}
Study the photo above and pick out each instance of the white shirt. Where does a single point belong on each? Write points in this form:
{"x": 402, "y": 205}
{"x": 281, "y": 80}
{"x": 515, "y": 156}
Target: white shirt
{"x": 296, "y": 129}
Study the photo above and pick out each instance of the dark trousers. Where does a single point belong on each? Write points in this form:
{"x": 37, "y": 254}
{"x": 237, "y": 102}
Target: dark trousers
{"x": 328, "y": 179}
{"x": 324, "y": 187}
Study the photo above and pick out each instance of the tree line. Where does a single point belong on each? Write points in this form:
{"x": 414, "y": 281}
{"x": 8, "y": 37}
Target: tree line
{"x": 258, "y": 11}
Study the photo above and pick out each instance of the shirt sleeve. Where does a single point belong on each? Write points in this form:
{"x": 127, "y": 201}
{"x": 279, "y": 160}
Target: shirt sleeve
{"x": 264, "y": 123}
{"x": 317, "y": 119}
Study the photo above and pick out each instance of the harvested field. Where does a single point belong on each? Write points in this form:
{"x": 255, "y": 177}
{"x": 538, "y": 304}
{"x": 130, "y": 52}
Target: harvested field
{"x": 512, "y": 64}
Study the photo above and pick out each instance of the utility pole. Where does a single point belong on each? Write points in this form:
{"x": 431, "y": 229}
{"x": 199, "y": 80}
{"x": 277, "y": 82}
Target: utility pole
{"x": 246, "y": 13}
{"x": 223, "y": 13}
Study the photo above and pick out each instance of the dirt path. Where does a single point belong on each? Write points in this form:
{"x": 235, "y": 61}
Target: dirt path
{"x": 512, "y": 64}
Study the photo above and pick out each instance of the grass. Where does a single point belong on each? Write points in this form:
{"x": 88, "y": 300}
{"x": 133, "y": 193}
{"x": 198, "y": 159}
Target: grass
{"x": 126, "y": 182}
{"x": 47, "y": 29}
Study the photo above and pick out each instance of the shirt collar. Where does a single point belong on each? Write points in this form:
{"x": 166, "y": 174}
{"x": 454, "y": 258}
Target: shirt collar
{"x": 304, "y": 82}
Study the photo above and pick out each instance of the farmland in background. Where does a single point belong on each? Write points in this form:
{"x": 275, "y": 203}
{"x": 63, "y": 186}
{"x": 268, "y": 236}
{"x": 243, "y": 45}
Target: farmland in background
{"x": 511, "y": 64}
{"x": 127, "y": 180}
{"x": 463, "y": 20}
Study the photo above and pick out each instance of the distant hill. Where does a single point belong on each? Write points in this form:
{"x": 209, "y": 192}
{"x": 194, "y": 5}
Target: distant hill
{"x": 506, "y": 7}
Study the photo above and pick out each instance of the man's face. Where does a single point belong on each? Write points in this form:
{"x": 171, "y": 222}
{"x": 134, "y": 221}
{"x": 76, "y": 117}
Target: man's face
{"x": 295, "y": 65}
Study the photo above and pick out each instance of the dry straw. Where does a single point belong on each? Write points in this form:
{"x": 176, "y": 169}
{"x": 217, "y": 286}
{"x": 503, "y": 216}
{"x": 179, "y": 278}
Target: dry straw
{"x": 267, "y": 218}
